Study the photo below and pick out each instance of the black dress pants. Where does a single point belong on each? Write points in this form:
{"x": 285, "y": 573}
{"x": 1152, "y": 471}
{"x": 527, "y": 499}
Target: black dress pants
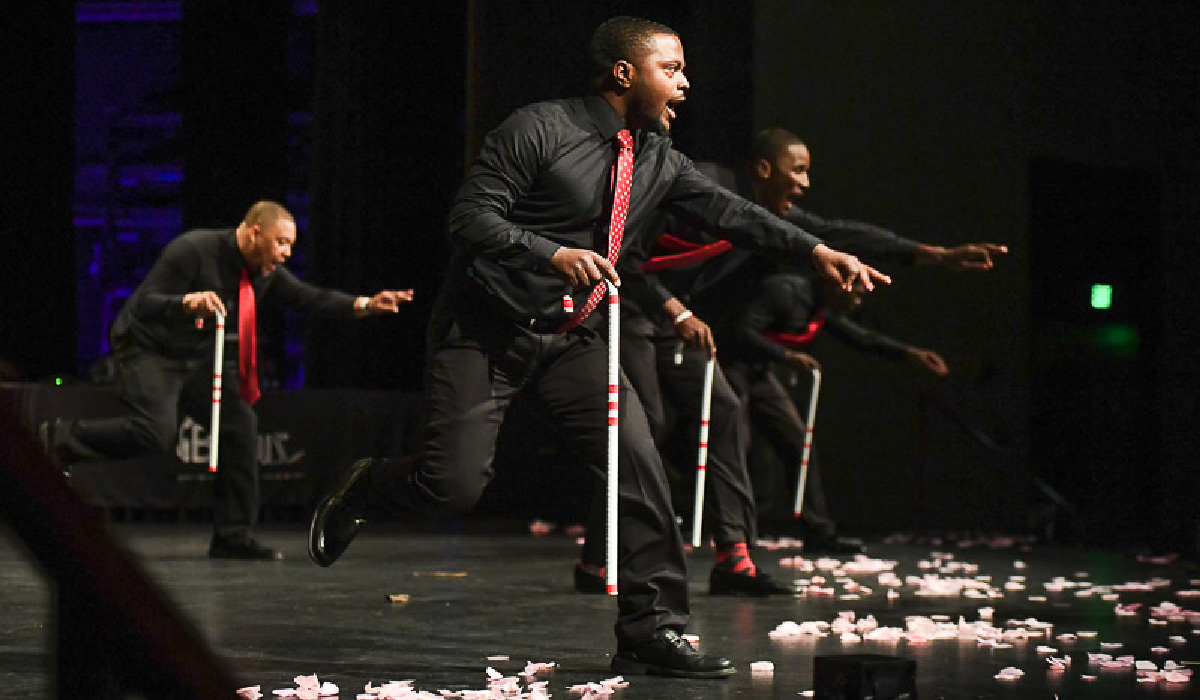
{"x": 659, "y": 368}
{"x": 155, "y": 389}
{"x": 478, "y": 362}
{"x": 774, "y": 417}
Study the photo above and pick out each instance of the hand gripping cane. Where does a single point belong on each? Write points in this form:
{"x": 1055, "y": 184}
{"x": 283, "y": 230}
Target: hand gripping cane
{"x": 614, "y": 398}
{"x": 214, "y": 430}
{"x": 802, "y": 481}
{"x": 702, "y": 457}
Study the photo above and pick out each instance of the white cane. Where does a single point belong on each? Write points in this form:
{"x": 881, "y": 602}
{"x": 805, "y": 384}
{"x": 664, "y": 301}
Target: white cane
{"x": 614, "y": 398}
{"x": 802, "y": 481}
{"x": 214, "y": 430}
{"x": 702, "y": 457}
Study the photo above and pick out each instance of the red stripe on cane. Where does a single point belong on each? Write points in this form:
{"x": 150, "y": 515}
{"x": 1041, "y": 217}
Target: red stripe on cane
{"x": 612, "y": 388}
{"x": 612, "y": 405}
{"x": 614, "y": 299}
{"x": 611, "y": 589}
{"x": 703, "y": 422}
{"x": 612, "y": 420}
{"x": 701, "y": 468}
{"x": 704, "y": 445}
{"x": 212, "y": 470}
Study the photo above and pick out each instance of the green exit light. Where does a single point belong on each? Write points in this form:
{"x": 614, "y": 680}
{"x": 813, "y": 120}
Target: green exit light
{"x": 58, "y": 381}
{"x": 1102, "y": 296}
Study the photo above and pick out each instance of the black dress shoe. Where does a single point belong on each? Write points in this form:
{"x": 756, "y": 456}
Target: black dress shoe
{"x": 668, "y": 654}
{"x": 589, "y": 579}
{"x": 726, "y": 582}
{"x": 241, "y": 548}
{"x": 340, "y": 515}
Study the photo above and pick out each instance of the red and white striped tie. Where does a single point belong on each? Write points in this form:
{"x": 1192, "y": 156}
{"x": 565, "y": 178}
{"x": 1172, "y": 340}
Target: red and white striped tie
{"x": 622, "y": 179}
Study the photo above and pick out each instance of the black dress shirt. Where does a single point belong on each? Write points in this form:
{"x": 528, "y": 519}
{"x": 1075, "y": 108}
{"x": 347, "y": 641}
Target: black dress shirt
{"x": 784, "y": 303}
{"x": 542, "y": 181}
{"x": 874, "y": 244}
{"x": 208, "y": 260}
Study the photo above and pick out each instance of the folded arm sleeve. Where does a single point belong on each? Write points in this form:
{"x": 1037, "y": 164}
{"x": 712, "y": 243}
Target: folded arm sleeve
{"x": 507, "y": 165}
{"x": 697, "y": 199}
{"x": 875, "y": 244}
{"x": 864, "y": 338}
{"x": 764, "y": 311}
{"x": 168, "y": 281}
{"x": 297, "y": 294}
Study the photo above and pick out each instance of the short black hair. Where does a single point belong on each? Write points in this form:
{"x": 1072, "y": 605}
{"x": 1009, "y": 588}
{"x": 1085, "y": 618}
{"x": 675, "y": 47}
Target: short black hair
{"x": 622, "y": 39}
{"x": 265, "y": 212}
{"x": 770, "y": 142}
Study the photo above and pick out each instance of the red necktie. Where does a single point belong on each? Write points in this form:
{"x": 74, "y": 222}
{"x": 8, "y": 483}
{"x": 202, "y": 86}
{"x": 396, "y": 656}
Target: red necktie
{"x": 247, "y": 342}
{"x": 622, "y": 182}
{"x": 796, "y": 340}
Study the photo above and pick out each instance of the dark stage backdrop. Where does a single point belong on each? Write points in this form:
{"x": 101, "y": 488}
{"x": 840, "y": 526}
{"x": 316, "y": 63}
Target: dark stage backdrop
{"x": 234, "y": 88}
{"x": 37, "y": 267}
{"x": 947, "y": 122}
{"x": 387, "y": 142}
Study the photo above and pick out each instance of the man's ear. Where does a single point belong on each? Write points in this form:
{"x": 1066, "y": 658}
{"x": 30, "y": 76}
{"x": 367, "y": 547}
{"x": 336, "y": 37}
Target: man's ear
{"x": 762, "y": 169}
{"x": 623, "y": 73}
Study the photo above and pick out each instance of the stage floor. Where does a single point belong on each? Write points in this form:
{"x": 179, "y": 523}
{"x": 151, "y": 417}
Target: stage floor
{"x": 491, "y": 589}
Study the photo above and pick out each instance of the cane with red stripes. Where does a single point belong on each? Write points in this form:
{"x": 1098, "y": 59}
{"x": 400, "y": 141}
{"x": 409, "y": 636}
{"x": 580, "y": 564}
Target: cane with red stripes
{"x": 214, "y": 430}
{"x": 802, "y": 480}
{"x": 614, "y": 400}
{"x": 702, "y": 457}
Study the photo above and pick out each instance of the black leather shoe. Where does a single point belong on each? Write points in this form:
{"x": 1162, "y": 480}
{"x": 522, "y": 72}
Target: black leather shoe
{"x": 340, "y": 515}
{"x": 668, "y": 654}
{"x": 726, "y": 582}
{"x": 241, "y": 548}
{"x": 589, "y": 579}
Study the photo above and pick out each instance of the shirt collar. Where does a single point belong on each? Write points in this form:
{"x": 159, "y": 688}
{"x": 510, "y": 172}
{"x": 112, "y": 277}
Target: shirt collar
{"x": 237, "y": 260}
{"x": 606, "y": 119}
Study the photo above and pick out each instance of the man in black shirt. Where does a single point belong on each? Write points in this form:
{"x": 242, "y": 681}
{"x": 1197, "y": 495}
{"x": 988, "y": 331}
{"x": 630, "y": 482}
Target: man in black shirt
{"x": 526, "y": 227}
{"x": 776, "y": 176}
{"x": 164, "y": 353}
{"x": 780, "y": 315}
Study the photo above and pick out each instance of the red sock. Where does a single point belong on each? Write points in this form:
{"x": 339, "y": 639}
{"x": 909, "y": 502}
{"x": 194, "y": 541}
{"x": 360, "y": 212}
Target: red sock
{"x": 736, "y": 558}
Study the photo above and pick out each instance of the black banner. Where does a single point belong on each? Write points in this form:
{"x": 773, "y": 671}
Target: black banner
{"x": 305, "y": 438}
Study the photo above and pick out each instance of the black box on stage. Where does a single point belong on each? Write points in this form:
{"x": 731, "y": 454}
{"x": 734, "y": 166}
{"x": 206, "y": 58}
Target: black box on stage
{"x": 864, "y": 677}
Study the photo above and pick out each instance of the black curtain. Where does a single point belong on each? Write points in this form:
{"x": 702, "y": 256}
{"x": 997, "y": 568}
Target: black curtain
{"x": 37, "y": 249}
{"x": 234, "y": 86}
{"x": 514, "y": 61}
{"x": 387, "y": 157}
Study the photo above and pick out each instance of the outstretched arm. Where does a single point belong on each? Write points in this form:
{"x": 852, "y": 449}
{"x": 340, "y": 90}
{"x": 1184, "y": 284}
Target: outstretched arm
{"x": 927, "y": 360}
{"x": 386, "y": 302}
{"x": 848, "y": 271}
{"x": 969, "y": 256}
{"x": 695, "y": 197}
